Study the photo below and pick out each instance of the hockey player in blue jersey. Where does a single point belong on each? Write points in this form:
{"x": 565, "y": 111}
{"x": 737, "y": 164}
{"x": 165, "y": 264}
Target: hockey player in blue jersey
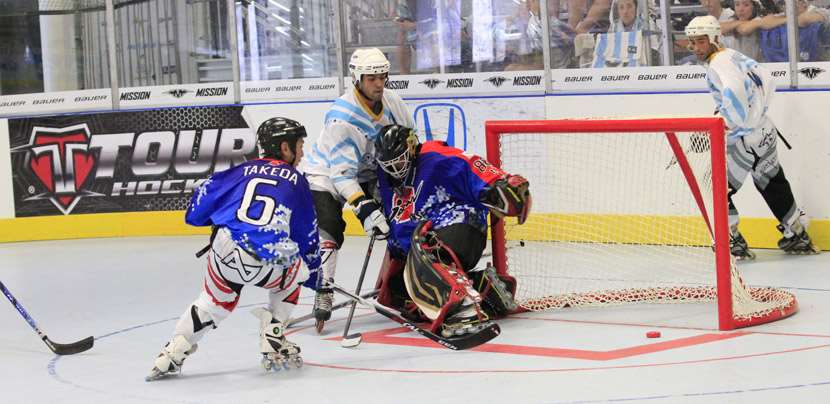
{"x": 263, "y": 233}
{"x": 437, "y": 198}
{"x": 341, "y": 166}
{"x": 742, "y": 90}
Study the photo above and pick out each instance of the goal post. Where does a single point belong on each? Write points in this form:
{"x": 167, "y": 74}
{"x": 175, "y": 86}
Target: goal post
{"x": 624, "y": 211}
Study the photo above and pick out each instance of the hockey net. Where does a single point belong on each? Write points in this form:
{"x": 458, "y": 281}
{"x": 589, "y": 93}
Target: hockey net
{"x": 624, "y": 211}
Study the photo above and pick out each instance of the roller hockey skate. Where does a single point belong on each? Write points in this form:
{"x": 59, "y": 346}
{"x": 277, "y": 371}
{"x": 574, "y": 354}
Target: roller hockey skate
{"x": 171, "y": 358}
{"x": 497, "y": 295}
{"x": 322, "y": 307}
{"x": 465, "y": 321}
{"x": 739, "y": 248}
{"x": 277, "y": 352}
{"x": 797, "y": 243}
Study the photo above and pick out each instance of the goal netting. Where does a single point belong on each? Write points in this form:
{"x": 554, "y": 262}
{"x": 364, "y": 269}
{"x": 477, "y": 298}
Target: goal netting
{"x": 624, "y": 211}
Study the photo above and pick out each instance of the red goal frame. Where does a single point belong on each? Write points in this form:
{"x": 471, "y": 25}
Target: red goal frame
{"x": 719, "y": 224}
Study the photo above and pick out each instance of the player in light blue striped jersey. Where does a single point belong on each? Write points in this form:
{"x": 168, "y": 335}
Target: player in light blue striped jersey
{"x": 742, "y": 90}
{"x": 341, "y": 164}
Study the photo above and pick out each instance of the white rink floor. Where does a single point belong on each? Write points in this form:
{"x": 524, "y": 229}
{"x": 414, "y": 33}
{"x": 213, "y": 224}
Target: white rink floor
{"x": 128, "y": 293}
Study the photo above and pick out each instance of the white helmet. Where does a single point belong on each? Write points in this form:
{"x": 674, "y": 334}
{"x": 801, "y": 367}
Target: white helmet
{"x": 367, "y": 61}
{"x": 704, "y": 25}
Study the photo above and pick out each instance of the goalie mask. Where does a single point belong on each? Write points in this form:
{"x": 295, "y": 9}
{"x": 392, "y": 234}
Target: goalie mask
{"x": 395, "y": 148}
{"x": 273, "y": 132}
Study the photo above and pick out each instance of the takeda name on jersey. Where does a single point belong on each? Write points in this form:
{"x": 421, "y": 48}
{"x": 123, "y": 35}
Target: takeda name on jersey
{"x": 280, "y": 172}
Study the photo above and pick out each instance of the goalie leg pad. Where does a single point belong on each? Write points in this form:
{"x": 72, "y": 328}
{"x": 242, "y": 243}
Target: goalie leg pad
{"x": 498, "y": 292}
{"x": 441, "y": 289}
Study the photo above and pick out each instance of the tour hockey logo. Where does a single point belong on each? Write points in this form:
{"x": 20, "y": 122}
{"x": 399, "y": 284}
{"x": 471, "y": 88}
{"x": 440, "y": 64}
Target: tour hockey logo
{"x": 61, "y": 161}
{"x": 161, "y": 167}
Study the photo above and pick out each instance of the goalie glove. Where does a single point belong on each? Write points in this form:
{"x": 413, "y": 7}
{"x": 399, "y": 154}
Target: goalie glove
{"x": 369, "y": 213}
{"x": 509, "y": 196}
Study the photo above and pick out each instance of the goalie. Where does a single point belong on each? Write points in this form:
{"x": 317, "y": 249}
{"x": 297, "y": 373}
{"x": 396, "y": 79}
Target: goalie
{"x": 437, "y": 198}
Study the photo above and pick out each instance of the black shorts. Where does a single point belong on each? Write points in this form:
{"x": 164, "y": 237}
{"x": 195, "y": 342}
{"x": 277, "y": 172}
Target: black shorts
{"x": 466, "y": 241}
{"x": 330, "y": 212}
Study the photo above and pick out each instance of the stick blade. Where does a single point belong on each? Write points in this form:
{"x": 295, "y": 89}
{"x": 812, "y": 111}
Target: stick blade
{"x": 473, "y": 340}
{"x": 351, "y": 340}
{"x": 70, "y": 349}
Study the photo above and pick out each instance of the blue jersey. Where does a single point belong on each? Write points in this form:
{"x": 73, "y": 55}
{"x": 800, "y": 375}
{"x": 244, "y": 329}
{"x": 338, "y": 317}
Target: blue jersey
{"x": 444, "y": 185}
{"x": 266, "y": 204}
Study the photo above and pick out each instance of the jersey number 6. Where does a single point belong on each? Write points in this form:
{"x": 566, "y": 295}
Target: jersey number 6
{"x": 251, "y": 196}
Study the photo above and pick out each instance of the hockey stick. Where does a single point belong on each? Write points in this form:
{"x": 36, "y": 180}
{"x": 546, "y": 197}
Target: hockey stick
{"x": 338, "y": 306}
{"x": 60, "y": 349}
{"x": 455, "y": 343}
{"x": 351, "y": 341}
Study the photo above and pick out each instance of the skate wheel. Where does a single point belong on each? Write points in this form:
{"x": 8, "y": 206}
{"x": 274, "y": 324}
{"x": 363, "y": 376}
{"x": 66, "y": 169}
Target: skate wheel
{"x": 298, "y": 363}
{"x": 266, "y": 364}
{"x": 319, "y": 326}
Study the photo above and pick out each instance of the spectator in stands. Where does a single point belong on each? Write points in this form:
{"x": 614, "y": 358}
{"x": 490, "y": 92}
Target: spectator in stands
{"x": 811, "y": 21}
{"x": 595, "y": 19}
{"x": 715, "y": 9}
{"x": 741, "y": 31}
{"x": 408, "y": 34}
{"x": 624, "y": 17}
{"x": 561, "y": 37}
{"x": 628, "y": 39}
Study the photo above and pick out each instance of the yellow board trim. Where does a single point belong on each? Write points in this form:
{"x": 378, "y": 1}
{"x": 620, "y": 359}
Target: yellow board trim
{"x": 131, "y": 224}
{"x": 644, "y": 229}
{"x": 760, "y": 233}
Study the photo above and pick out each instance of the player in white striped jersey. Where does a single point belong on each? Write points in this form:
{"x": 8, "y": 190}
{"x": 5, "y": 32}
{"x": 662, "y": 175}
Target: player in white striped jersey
{"x": 341, "y": 165}
{"x": 742, "y": 90}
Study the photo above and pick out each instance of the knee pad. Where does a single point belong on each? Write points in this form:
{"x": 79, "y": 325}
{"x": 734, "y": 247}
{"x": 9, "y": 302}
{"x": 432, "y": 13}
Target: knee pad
{"x": 194, "y": 323}
{"x": 438, "y": 285}
{"x": 328, "y": 257}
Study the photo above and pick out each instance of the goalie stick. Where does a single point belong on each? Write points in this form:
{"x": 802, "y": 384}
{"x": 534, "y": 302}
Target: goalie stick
{"x": 455, "y": 343}
{"x": 60, "y": 349}
{"x": 294, "y": 321}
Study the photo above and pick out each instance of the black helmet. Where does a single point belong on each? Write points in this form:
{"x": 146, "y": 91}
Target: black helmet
{"x": 273, "y": 132}
{"x": 395, "y": 149}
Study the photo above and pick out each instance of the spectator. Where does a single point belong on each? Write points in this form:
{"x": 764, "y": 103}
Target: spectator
{"x": 408, "y": 34}
{"x": 774, "y": 34}
{"x": 595, "y": 19}
{"x": 628, "y": 41}
{"x": 741, "y": 31}
{"x": 561, "y": 37}
{"x": 715, "y": 9}
{"x": 624, "y": 17}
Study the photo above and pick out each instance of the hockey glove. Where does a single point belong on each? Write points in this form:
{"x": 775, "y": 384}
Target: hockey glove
{"x": 369, "y": 213}
{"x": 509, "y": 196}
